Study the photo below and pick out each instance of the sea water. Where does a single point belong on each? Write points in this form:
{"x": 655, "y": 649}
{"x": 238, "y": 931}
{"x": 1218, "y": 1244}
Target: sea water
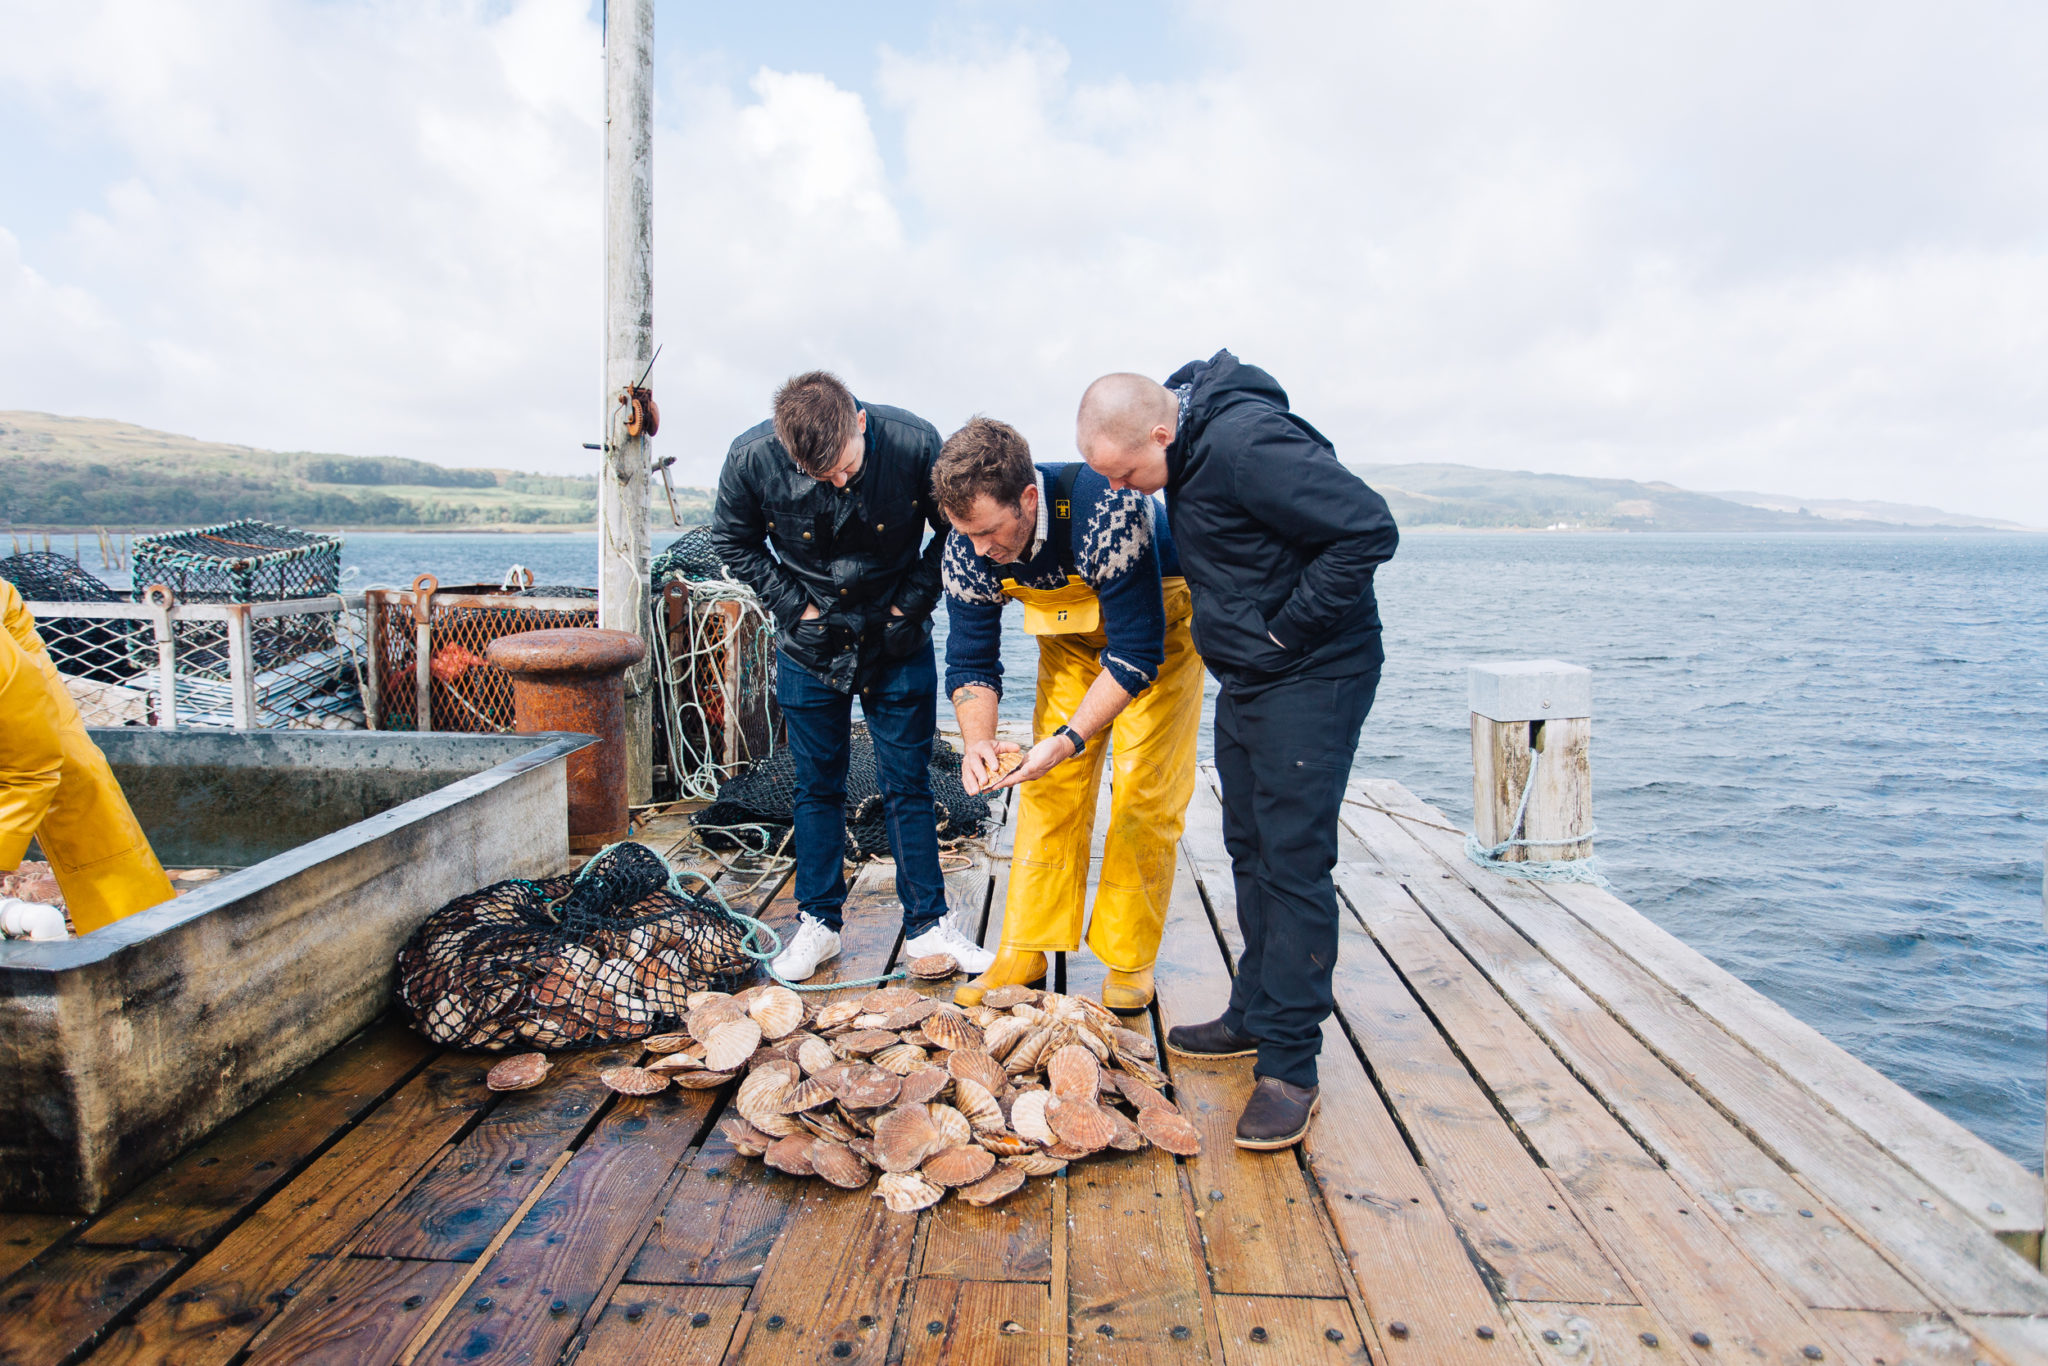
{"x": 1822, "y": 760}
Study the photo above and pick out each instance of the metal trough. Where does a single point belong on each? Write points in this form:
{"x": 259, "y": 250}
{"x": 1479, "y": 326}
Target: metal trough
{"x": 119, "y": 1049}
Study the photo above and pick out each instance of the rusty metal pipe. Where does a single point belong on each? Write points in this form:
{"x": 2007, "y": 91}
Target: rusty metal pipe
{"x": 573, "y": 679}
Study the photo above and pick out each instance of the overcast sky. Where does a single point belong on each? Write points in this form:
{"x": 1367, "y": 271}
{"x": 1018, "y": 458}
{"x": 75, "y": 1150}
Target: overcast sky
{"x": 1799, "y": 248}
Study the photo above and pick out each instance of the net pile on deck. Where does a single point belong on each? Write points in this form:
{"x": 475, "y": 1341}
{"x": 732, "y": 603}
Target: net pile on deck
{"x": 80, "y": 647}
{"x": 932, "y": 1097}
{"x": 608, "y": 956}
{"x": 763, "y": 800}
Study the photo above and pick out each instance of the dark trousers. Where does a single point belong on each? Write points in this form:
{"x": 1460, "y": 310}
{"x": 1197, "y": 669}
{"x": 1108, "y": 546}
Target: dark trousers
{"x": 1284, "y": 755}
{"x": 901, "y": 707}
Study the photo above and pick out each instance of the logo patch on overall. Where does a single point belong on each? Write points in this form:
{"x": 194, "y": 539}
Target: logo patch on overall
{"x": 1063, "y": 614}
{"x": 1062, "y": 508}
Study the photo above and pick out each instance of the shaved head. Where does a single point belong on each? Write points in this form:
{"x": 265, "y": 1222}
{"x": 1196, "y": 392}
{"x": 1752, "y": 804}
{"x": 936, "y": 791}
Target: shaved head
{"x": 1125, "y": 425}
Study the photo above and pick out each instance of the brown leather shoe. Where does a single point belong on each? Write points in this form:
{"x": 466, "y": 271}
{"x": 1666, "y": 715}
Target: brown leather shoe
{"x": 1210, "y": 1039}
{"x": 1277, "y": 1115}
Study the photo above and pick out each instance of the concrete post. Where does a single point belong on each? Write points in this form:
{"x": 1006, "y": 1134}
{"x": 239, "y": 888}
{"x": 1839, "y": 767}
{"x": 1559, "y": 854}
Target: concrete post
{"x": 1520, "y": 710}
{"x": 628, "y": 345}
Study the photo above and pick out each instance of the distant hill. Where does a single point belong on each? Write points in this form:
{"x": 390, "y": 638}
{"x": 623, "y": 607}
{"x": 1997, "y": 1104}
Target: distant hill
{"x": 60, "y": 473}
{"x": 1465, "y": 496}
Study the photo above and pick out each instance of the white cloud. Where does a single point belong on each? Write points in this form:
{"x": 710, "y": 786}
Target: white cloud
{"x": 1727, "y": 246}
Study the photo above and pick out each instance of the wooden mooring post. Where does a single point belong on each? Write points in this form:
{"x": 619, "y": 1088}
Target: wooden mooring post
{"x": 1524, "y": 713}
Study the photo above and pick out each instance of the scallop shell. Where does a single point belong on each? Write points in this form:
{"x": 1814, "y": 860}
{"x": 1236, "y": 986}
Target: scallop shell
{"x": 1035, "y": 1164}
{"x": 1127, "y": 1138}
{"x": 979, "y": 1105}
{"x": 1006, "y": 1145}
{"x": 1002, "y": 998}
{"x": 907, "y": 1192}
{"x": 862, "y": 1042}
{"x": 1129, "y": 1043}
{"x": 1004, "y": 1180}
{"x": 1137, "y": 1092}
{"x": 827, "y": 1125}
{"x": 971, "y": 1064}
{"x": 699, "y": 1081}
{"x": 1144, "y": 1071}
{"x": 677, "y": 1062}
{"x": 982, "y": 1015}
{"x": 904, "y": 1137}
{"x": 902, "y": 1059}
{"x": 838, "y": 1014}
{"x": 1085, "y": 1035}
{"x": 1072, "y": 1072}
{"x": 666, "y": 1043}
{"x": 839, "y": 1164}
{"x": 1067, "y": 1152}
{"x": 745, "y": 999}
{"x": 923, "y": 1084}
{"x": 792, "y": 1155}
{"x": 712, "y": 1016}
{"x": 1003, "y": 1034}
{"x": 518, "y": 1072}
{"x": 1025, "y": 1010}
{"x": 890, "y": 998}
{"x": 951, "y": 1124}
{"x": 698, "y": 998}
{"x": 567, "y": 978}
{"x": 915, "y": 1037}
{"x": 731, "y": 1045}
{"x": 814, "y": 1055}
{"x": 777, "y": 1010}
{"x": 808, "y": 1094}
{"x": 1080, "y": 1123}
{"x": 960, "y": 1165}
{"x": 633, "y": 1081}
{"x": 746, "y": 1140}
{"x": 909, "y": 1016}
{"x": 950, "y": 1029}
{"x": 933, "y": 966}
{"x": 760, "y": 1098}
{"x": 1027, "y": 1117}
{"x": 865, "y": 1086}
{"x": 1170, "y": 1129}
{"x": 873, "y": 1021}
{"x": 1029, "y": 1054}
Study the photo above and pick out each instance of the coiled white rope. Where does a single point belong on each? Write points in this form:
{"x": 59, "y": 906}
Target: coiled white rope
{"x": 1535, "y": 870}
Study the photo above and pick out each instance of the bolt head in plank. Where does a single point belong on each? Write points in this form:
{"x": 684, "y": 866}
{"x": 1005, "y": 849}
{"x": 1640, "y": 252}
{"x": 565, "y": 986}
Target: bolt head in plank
{"x": 1530, "y": 690}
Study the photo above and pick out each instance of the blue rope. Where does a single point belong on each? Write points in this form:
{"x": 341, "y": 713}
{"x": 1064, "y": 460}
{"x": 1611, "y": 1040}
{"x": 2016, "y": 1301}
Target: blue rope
{"x": 1535, "y": 870}
{"x": 761, "y": 931}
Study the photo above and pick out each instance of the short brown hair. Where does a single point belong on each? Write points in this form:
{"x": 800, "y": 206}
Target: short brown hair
{"x": 984, "y": 457}
{"x": 815, "y": 417}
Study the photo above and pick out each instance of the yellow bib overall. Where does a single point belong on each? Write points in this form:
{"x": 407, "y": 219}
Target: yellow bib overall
{"x": 56, "y": 788}
{"x": 1152, "y": 777}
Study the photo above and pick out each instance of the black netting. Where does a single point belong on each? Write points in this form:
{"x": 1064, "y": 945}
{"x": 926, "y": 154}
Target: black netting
{"x": 765, "y": 795}
{"x": 605, "y": 957}
{"x": 556, "y": 590}
{"x": 691, "y": 557}
{"x": 245, "y": 561}
{"x": 80, "y": 646}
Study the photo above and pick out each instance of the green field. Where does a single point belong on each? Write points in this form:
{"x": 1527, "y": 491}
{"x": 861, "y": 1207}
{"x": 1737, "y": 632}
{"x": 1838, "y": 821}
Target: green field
{"x": 78, "y": 473}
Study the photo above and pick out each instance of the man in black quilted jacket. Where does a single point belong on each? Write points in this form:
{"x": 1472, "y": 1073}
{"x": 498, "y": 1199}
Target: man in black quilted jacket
{"x": 822, "y": 511}
{"x": 1279, "y": 542}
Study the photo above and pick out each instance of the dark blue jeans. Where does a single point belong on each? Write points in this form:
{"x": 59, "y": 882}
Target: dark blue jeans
{"x": 1284, "y": 755}
{"x": 902, "y": 709}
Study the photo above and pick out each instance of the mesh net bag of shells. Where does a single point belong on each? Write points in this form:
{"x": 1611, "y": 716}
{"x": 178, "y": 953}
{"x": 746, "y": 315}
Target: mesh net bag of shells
{"x": 909, "y": 1093}
{"x": 765, "y": 795}
{"x": 608, "y": 956}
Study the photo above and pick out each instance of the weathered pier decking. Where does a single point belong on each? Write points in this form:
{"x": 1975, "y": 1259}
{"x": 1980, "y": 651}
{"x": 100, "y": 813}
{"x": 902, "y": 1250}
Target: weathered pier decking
{"x": 1550, "y": 1133}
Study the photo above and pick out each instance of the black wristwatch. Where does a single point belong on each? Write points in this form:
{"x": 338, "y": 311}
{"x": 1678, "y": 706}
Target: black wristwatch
{"x": 1073, "y": 735}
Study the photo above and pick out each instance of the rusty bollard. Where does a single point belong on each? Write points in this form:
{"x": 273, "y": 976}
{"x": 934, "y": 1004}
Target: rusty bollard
{"x": 574, "y": 679}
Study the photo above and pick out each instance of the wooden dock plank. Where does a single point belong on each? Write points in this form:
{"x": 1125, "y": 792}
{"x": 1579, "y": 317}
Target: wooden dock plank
{"x": 365, "y": 1312}
{"x": 453, "y": 1211}
{"x": 952, "y": 1322}
{"x": 1673, "y": 1253}
{"x": 1132, "y": 1268}
{"x": 1799, "y": 1239}
{"x": 1599, "y": 1335}
{"x": 206, "y": 1188}
{"x": 564, "y": 1250}
{"x": 676, "y": 1325}
{"x": 61, "y": 1303}
{"x": 720, "y": 1223}
{"x": 1879, "y": 1339}
{"x": 212, "y": 1310}
{"x": 25, "y": 1237}
{"x": 1957, "y": 1259}
{"x": 1265, "y": 1330}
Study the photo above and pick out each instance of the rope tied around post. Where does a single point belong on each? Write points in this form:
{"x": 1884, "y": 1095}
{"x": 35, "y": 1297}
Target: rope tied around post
{"x": 1585, "y": 869}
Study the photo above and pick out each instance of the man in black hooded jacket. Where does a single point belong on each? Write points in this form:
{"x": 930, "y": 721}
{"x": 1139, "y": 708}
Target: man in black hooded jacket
{"x": 1278, "y": 542}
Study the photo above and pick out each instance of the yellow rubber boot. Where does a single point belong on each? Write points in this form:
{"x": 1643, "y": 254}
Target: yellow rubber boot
{"x": 1012, "y": 968}
{"x": 1127, "y": 992}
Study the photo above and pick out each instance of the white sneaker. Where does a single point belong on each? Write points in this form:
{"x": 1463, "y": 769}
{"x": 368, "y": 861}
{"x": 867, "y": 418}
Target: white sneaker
{"x": 811, "y": 945}
{"x": 31, "y": 920}
{"x": 945, "y": 937}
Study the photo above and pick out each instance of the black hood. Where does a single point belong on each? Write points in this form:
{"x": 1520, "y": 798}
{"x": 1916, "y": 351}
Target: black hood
{"x": 1220, "y": 382}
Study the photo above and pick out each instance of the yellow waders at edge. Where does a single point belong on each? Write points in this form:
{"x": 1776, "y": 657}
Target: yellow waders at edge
{"x": 55, "y": 786}
{"x": 1152, "y": 777}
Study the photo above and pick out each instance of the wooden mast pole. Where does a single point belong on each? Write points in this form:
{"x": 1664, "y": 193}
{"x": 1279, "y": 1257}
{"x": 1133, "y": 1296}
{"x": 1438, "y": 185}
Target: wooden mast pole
{"x": 628, "y": 345}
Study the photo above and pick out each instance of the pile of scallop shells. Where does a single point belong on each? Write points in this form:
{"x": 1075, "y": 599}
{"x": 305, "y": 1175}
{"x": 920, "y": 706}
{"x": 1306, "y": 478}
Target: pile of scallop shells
{"x": 931, "y": 1096}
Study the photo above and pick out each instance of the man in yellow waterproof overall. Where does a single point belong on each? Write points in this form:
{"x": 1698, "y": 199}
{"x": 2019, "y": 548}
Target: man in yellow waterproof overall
{"x": 56, "y": 787}
{"x": 1096, "y": 572}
